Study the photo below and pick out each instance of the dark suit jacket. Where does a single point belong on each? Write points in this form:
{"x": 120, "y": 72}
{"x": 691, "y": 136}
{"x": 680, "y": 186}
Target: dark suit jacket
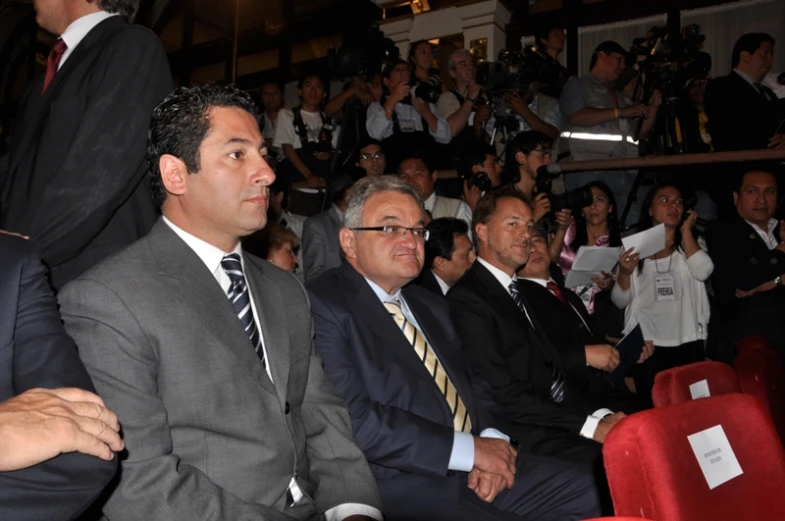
{"x": 742, "y": 260}
{"x": 516, "y": 361}
{"x": 76, "y": 181}
{"x": 400, "y": 419}
{"x": 321, "y": 246}
{"x": 739, "y": 118}
{"x": 428, "y": 281}
{"x": 35, "y": 352}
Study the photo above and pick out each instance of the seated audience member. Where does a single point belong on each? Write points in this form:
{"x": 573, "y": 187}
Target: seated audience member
{"x": 415, "y": 171}
{"x": 448, "y": 254}
{"x": 297, "y": 134}
{"x": 206, "y": 352}
{"x": 282, "y": 248}
{"x": 391, "y": 352}
{"x": 57, "y": 438}
{"x": 401, "y": 123}
{"x": 595, "y": 225}
{"x": 666, "y": 293}
{"x": 749, "y": 263}
{"x": 321, "y": 250}
{"x": 371, "y": 158}
{"x": 570, "y": 328}
{"x": 507, "y": 347}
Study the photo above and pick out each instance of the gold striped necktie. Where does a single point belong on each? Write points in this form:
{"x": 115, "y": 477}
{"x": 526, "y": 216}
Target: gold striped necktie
{"x": 460, "y": 416}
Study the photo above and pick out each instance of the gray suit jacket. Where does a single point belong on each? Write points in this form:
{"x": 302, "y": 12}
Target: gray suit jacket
{"x": 320, "y": 245}
{"x": 208, "y": 435}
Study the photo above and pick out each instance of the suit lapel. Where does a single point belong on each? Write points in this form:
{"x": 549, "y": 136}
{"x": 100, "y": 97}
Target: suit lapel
{"x": 187, "y": 277}
{"x": 73, "y": 61}
{"x": 267, "y": 298}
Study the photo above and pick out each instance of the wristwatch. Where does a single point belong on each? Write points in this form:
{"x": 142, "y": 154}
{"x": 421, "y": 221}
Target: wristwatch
{"x": 777, "y": 280}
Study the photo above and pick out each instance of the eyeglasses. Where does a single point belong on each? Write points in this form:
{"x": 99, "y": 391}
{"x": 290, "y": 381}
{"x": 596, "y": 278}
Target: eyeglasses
{"x": 396, "y": 231}
{"x": 367, "y": 155}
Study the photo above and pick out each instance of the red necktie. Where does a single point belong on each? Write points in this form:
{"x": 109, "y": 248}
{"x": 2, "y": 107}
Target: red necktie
{"x": 553, "y": 288}
{"x": 58, "y": 49}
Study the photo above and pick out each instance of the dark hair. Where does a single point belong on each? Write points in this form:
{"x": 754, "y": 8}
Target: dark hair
{"x": 607, "y": 47}
{"x": 486, "y": 207}
{"x": 413, "y": 49}
{"x": 386, "y": 74}
{"x": 180, "y": 123}
{"x": 614, "y": 234}
{"x": 543, "y": 32}
{"x": 127, "y": 8}
{"x": 311, "y": 74}
{"x": 338, "y": 185}
{"x": 475, "y": 152}
{"x": 526, "y": 143}
{"x": 645, "y": 221}
{"x": 273, "y": 82}
{"x": 755, "y": 170}
{"x": 441, "y": 238}
{"x": 280, "y": 185}
{"x": 368, "y": 142}
{"x": 750, "y": 43}
{"x": 417, "y": 156}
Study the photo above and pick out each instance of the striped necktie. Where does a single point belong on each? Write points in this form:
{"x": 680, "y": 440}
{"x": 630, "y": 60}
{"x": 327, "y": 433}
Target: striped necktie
{"x": 241, "y": 300}
{"x": 557, "y": 380}
{"x": 460, "y": 416}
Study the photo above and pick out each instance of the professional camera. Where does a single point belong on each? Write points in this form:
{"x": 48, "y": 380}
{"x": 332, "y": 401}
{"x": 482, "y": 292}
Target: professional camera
{"x": 428, "y": 90}
{"x": 324, "y": 142}
{"x": 463, "y": 166}
{"x": 574, "y": 199}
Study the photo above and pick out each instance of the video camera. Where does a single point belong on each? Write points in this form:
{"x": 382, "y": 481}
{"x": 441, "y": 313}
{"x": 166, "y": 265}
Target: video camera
{"x": 575, "y": 199}
{"x": 428, "y": 90}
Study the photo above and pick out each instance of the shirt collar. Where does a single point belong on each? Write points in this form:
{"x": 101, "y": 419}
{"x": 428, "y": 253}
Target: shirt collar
{"x": 771, "y": 226}
{"x": 504, "y": 279}
{"x": 382, "y": 295}
{"x": 428, "y": 203}
{"x": 210, "y": 255}
{"x": 541, "y": 282}
{"x": 443, "y": 285}
{"x": 746, "y": 77}
{"x": 79, "y": 28}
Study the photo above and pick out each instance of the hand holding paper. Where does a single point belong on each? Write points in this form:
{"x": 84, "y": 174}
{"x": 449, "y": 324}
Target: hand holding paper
{"x": 648, "y": 242}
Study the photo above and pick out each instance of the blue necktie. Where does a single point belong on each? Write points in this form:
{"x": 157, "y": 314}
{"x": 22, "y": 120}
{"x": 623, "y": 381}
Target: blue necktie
{"x": 241, "y": 300}
{"x": 557, "y": 380}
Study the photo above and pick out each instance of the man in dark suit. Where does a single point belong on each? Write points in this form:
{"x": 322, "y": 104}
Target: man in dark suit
{"x": 77, "y": 156}
{"x": 507, "y": 347}
{"x": 56, "y": 452}
{"x": 749, "y": 263}
{"x": 206, "y": 353}
{"x": 448, "y": 254}
{"x": 392, "y": 354}
{"x": 320, "y": 246}
{"x": 569, "y": 327}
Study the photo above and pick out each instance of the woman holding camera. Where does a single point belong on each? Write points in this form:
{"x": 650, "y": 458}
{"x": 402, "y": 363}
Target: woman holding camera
{"x": 421, "y": 62}
{"x": 666, "y": 293}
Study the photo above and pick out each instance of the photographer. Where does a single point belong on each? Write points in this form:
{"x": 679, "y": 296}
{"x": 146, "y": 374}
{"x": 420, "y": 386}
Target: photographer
{"x": 305, "y": 136}
{"x": 462, "y": 107}
{"x": 601, "y": 122}
{"x": 421, "y": 62}
{"x": 404, "y": 124}
{"x": 480, "y": 171}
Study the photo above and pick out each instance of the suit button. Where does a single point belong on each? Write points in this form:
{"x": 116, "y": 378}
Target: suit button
{"x": 286, "y": 409}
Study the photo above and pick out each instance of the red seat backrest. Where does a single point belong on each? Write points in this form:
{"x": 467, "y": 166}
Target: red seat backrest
{"x": 673, "y": 385}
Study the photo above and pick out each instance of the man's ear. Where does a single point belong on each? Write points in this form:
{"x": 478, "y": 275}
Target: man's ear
{"x": 174, "y": 174}
{"x": 735, "y": 198}
{"x": 520, "y": 158}
{"x": 347, "y": 239}
{"x": 438, "y": 262}
{"x": 482, "y": 232}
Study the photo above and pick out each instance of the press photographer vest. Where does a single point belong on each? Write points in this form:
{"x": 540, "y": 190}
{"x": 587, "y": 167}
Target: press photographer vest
{"x": 318, "y": 167}
{"x": 610, "y": 140}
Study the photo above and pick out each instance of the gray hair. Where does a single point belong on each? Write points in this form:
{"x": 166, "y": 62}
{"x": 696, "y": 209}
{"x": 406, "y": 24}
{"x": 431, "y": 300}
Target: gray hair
{"x": 366, "y": 188}
{"x": 455, "y": 54}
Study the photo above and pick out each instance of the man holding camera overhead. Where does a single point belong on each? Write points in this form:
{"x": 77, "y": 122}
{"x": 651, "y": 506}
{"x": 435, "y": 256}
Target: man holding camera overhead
{"x": 601, "y": 122}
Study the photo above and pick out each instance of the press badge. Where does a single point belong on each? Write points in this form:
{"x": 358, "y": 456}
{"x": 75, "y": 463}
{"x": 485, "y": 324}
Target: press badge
{"x": 407, "y": 125}
{"x": 665, "y": 286}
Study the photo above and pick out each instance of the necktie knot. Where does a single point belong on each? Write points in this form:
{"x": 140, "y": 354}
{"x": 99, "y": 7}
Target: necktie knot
{"x": 59, "y": 48}
{"x": 393, "y": 307}
{"x": 53, "y": 61}
{"x": 233, "y": 267}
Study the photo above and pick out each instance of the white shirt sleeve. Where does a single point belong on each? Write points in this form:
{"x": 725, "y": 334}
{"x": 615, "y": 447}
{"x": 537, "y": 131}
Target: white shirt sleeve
{"x": 284, "y": 130}
{"x": 442, "y": 134}
{"x": 462, "y": 454}
{"x": 592, "y": 421}
{"x": 341, "y": 512}
{"x": 622, "y": 298}
{"x": 465, "y": 214}
{"x": 376, "y": 122}
{"x": 700, "y": 265}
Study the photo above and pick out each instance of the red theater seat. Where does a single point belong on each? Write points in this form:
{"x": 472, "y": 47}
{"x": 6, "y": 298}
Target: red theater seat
{"x": 673, "y": 385}
{"x": 617, "y": 519}
{"x": 752, "y": 343}
{"x": 761, "y": 374}
{"x": 653, "y": 471}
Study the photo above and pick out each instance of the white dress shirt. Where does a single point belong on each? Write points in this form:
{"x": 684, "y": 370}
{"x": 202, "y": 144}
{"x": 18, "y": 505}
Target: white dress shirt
{"x": 379, "y": 127}
{"x": 463, "y": 213}
{"x": 593, "y": 420}
{"x": 462, "y": 455}
{"x": 78, "y": 29}
{"x": 767, "y": 235}
{"x": 212, "y": 257}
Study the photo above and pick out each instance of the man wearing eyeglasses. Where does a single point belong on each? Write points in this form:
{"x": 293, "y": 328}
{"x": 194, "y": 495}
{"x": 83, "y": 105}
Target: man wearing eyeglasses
{"x": 371, "y": 158}
{"x": 392, "y": 354}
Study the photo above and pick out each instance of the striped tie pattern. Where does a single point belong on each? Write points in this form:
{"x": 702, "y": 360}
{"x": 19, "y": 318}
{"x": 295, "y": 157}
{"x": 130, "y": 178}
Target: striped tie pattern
{"x": 557, "y": 380}
{"x": 460, "y": 416}
{"x": 241, "y": 300}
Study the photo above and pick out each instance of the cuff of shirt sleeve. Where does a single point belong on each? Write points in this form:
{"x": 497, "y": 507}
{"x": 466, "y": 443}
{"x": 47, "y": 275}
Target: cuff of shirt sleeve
{"x": 341, "y": 512}
{"x": 590, "y": 427}
{"x": 462, "y": 455}
{"x": 493, "y": 433}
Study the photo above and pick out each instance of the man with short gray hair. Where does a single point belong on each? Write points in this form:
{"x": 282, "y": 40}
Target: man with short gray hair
{"x": 465, "y": 115}
{"x": 392, "y": 354}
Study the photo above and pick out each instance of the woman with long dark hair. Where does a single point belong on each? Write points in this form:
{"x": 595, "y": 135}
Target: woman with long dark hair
{"x": 666, "y": 293}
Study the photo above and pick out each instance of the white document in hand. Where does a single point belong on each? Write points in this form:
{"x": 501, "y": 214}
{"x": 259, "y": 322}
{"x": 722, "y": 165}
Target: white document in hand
{"x": 579, "y": 278}
{"x": 715, "y": 456}
{"x": 647, "y": 242}
{"x": 595, "y": 259}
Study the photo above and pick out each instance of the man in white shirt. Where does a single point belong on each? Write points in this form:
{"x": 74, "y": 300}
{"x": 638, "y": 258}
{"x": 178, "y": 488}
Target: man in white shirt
{"x": 448, "y": 254}
{"x": 206, "y": 353}
{"x": 416, "y": 172}
{"x": 506, "y": 345}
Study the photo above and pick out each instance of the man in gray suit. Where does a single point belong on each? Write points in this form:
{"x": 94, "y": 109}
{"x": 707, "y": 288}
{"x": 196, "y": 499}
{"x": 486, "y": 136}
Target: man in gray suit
{"x": 320, "y": 246}
{"x": 205, "y": 353}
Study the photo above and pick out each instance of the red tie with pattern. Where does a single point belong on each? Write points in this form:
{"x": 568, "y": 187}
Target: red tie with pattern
{"x": 58, "y": 49}
{"x": 553, "y": 288}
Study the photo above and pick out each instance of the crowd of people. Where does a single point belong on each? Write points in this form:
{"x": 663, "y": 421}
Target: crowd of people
{"x": 208, "y": 311}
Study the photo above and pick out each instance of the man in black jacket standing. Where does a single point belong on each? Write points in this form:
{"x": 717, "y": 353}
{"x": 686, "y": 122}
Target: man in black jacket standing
{"x": 77, "y": 157}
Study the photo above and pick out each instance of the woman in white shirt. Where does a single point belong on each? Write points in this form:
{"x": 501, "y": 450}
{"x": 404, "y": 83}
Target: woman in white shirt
{"x": 666, "y": 293}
